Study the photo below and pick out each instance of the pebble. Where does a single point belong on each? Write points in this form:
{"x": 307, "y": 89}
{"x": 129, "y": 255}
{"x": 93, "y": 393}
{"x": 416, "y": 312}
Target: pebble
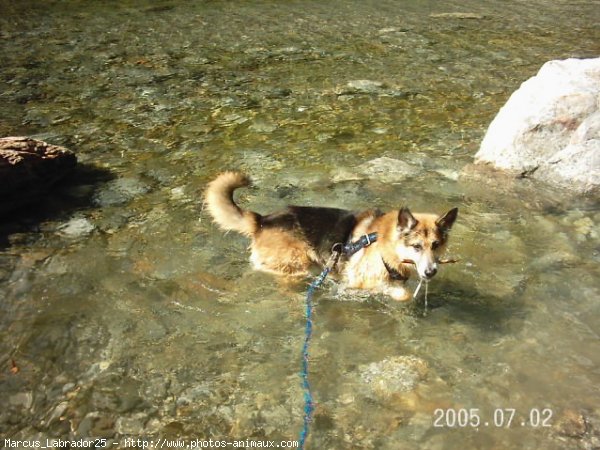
{"x": 457, "y": 15}
{"x": 448, "y": 173}
{"x": 361, "y": 87}
{"x": 76, "y": 228}
{"x": 68, "y": 387}
{"x": 96, "y": 369}
{"x": 21, "y": 399}
{"x": 346, "y": 398}
{"x": 178, "y": 193}
{"x": 391, "y": 30}
{"x": 233, "y": 119}
{"x": 261, "y": 126}
{"x": 58, "y": 412}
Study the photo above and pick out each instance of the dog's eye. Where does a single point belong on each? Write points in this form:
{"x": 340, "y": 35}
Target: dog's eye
{"x": 435, "y": 244}
{"x": 417, "y": 247}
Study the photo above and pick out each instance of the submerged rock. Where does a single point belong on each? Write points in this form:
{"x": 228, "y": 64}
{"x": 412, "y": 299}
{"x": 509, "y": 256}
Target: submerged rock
{"x": 393, "y": 375}
{"x": 120, "y": 191}
{"x": 77, "y": 227}
{"x": 28, "y": 168}
{"x": 388, "y": 169}
{"x": 21, "y": 400}
{"x": 370, "y": 87}
{"x": 384, "y": 169}
{"x": 549, "y": 128}
{"x": 571, "y": 424}
{"x": 457, "y": 15}
{"x": 361, "y": 87}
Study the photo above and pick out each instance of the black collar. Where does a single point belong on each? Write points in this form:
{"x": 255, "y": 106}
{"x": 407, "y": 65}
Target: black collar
{"x": 393, "y": 273}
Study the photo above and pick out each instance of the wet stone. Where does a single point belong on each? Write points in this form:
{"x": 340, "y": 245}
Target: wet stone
{"x": 586, "y": 227}
{"x": 393, "y": 375}
{"x": 76, "y": 228}
{"x": 388, "y": 169}
{"x": 369, "y": 87}
{"x": 178, "y": 193}
{"x": 457, "y": 15}
{"x": 120, "y": 191}
{"x": 68, "y": 387}
{"x": 383, "y": 169}
{"x": 96, "y": 369}
{"x": 57, "y": 412}
{"x": 571, "y": 424}
{"x": 278, "y": 93}
{"x": 346, "y": 398}
{"x": 96, "y": 424}
{"x": 555, "y": 260}
{"x": 195, "y": 394}
{"x": 156, "y": 388}
{"x": 153, "y": 426}
{"x": 261, "y": 126}
{"x": 361, "y": 87}
{"x": 21, "y": 400}
{"x": 132, "y": 425}
{"x": 391, "y": 30}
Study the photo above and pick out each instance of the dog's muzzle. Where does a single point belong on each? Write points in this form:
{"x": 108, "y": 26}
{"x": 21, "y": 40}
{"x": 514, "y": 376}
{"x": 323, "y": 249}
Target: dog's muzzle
{"x": 430, "y": 272}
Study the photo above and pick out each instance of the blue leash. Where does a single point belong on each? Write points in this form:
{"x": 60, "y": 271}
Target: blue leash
{"x": 348, "y": 249}
{"x": 309, "y": 405}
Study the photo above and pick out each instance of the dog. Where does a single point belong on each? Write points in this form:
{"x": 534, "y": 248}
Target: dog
{"x": 291, "y": 241}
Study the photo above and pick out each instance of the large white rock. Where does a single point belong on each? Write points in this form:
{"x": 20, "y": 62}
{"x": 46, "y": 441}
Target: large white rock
{"x": 550, "y": 127}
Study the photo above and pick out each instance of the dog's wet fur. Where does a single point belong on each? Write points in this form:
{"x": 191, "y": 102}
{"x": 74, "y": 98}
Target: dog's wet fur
{"x": 291, "y": 241}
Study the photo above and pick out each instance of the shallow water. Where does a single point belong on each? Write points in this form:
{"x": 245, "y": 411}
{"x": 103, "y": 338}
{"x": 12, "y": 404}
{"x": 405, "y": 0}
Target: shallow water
{"x": 126, "y": 313}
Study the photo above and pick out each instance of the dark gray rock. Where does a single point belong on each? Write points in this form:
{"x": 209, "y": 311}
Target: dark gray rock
{"x": 119, "y": 191}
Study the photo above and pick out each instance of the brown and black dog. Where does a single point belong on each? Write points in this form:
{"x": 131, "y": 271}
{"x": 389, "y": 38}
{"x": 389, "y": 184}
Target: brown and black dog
{"x": 289, "y": 242}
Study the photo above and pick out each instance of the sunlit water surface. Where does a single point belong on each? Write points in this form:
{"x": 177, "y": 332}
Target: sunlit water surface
{"x": 131, "y": 315}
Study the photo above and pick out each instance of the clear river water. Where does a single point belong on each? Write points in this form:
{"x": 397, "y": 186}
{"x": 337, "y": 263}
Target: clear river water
{"x": 125, "y": 313}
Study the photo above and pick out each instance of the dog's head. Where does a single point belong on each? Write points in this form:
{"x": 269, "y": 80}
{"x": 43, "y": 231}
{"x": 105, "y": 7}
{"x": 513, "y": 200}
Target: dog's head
{"x": 422, "y": 239}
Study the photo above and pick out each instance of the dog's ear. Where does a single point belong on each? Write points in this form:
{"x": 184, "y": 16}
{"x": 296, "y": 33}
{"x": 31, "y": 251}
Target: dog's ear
{"x": 406, "y": 221}
{"x": 445, "y": 222}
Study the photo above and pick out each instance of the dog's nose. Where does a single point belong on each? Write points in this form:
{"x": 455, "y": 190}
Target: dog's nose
{"x": 429, "y": 273}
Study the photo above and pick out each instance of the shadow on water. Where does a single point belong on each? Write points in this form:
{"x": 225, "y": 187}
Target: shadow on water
{"x": 469, "y": 306}
{"x": 72, "y": 193}
{"x": 447, "y": 301}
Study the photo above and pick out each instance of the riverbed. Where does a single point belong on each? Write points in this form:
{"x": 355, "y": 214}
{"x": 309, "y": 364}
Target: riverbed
{"x": 126, "y": 313}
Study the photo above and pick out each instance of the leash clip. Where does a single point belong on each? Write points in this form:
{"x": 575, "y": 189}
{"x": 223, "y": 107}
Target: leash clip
{"x": 336, "y": 252}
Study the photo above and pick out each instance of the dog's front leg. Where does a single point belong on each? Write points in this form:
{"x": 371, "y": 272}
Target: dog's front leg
{"x": 397, "y": 292}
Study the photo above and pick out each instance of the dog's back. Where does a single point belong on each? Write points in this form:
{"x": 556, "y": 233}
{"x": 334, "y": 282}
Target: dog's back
{"x": 285, "y": 242}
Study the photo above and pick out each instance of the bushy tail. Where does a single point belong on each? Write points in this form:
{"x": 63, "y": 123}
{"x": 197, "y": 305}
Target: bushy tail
{"x": 219, "y": 200}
